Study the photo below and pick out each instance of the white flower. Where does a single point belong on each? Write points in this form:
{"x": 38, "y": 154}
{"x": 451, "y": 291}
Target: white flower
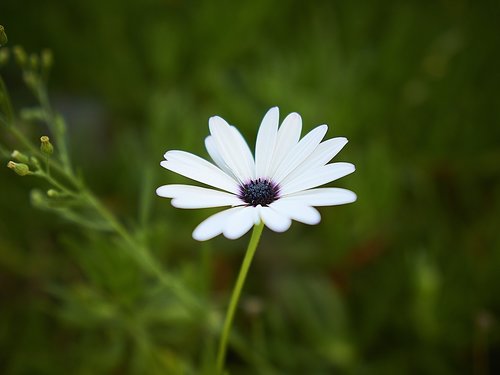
{"x": 278, "y": 186}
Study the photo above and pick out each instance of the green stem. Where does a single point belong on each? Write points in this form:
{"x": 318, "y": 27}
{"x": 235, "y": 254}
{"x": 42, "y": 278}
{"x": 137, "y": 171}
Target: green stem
{"x": 142, "y": 254}
{"x": 110, "y": 218}
{"x": 6, "y": 104}
{"x": 56, "y": 184}
{"x": 235, "y": 296}
{"x": 47, "y": 164}
{"x": 36, "y": 152}
{"x": 50, "y": 119}
{"x": 62, "y": 168}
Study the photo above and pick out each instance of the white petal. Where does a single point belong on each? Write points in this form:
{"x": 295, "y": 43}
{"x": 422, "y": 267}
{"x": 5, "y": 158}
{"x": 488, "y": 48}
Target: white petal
{"x": 298, "y": 210}
{"x": 288, "y": 137}
{"x": 317, "y": 177}
{"x": 214, "y": 154}
{"x": 325, "y": 152}
{"x": 240, "y": 223}
{"x": 245, "y": 152}
{"x": 198, "y": 169}
{"x": 232, "y": 148}
{"x": 186, "y": 196}
{"x": 322, "y": 197}
{"x": 266, "y": 141}
{"x": 300, "y": 152}
{"x": 274, "y": 220}
{"x": 214, "y": 225}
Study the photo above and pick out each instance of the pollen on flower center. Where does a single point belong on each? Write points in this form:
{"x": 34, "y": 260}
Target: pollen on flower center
{"x": 259, "y": 191}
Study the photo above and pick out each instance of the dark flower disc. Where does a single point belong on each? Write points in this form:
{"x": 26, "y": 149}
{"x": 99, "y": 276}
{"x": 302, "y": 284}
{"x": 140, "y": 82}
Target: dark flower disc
{"x": 259, "y": 191}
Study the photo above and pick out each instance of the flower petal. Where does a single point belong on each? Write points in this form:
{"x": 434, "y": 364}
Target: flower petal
{"x": 232, "y": 148}
{"x": 325, "y": 152}
{"x": 245, "y": 152}
{"x": 214, "y": 225}
{"x": 288, "y": 137}
{"x": 198, "y": 169}
{"x": 240, "y": 223}
{"x": 274, "y": 220}
{"x": 214, "y": 154}
{"x": 322, "y": 197}
{"x": 317, "y": 177}
{"x": 266, "y": 142}
{"x": 298, "y": 210}
{"x": 187, "y": 196}
{"x": 300, "y": 152}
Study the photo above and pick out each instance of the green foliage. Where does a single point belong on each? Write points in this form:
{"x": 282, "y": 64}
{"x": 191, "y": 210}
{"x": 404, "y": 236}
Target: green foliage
{"x": 402, "y": 281}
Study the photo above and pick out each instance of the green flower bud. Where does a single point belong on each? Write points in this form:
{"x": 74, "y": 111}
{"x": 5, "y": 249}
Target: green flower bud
{"x": 20, "y": 55}
{"x": 30, "y": 79}
{"x": 38, "y": 199}
{"x": 20, "y": 157}
{"x": 20, "y": 168}
{"x": 34, "y": 61}
{"x": 3, "y": 36}
{"x": 47, "y": 59}
{"x": 4, "y": 56}
{"x": 35, "y": 162}
{"x": 46, "y": 147}
{"x": 53, "y": 193}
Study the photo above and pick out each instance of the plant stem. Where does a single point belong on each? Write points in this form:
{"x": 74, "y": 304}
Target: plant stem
{"x": 142, "y": 254}
{"x": 235, "y": 296}
{"x": 6, "y": 103}
{"x": 62, "y": 168}
{"x": 56, "y": 184}
{"x": 57, "y": 130}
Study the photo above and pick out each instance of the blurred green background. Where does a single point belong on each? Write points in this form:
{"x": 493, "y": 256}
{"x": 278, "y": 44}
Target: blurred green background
{"x": 404, "y": 281}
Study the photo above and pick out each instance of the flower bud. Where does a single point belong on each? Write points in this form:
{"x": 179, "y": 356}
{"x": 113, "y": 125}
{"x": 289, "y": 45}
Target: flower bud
{"x": 34, "y": 61}
{"x": 38, "y": 199}
{"x": 4, "y": 56}
{"x": 47, "y": 59}
{"x": 20, "y": 168}
{"x": 3, "y": 36}
{"x": 20, "y": 157}
{"x": 20, "y": 55}
{"x": 30, "y": 79}
{"x": 51, "y": 193}
{"x": 46, "y": 147}
{"x": 35, "y": 162}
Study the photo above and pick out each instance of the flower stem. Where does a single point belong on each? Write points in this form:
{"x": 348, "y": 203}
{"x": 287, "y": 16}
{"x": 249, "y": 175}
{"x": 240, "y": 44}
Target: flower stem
{"x": 235, "y": 296}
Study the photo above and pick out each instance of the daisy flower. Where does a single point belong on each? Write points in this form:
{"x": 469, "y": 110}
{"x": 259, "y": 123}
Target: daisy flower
{"x": 277, "y": 186}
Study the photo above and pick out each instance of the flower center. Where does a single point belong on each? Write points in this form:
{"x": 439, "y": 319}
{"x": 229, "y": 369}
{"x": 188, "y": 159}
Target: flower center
{"x": 259, "y": 191}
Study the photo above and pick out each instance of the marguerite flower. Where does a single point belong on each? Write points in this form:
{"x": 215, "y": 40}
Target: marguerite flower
{"x": 278, "y": 186}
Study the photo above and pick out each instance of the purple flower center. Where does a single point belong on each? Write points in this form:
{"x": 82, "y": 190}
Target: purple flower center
{"x": 259, "y": 191}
